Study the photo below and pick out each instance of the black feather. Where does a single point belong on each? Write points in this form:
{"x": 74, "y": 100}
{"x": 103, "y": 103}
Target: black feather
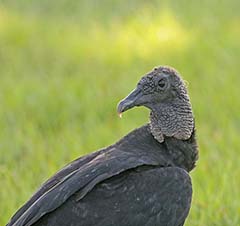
{"x": 78, "y": 180}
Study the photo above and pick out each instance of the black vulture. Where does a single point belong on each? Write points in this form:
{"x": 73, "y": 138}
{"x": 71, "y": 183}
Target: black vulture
{"x": 142, "y": 180}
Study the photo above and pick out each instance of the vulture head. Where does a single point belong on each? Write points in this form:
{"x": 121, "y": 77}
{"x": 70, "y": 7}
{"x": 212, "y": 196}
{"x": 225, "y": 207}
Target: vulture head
{"x": 163, "y": 91}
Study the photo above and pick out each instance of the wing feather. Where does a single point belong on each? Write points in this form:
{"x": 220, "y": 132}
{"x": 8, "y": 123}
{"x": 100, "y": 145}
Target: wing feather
{"x": 83, "y": 179}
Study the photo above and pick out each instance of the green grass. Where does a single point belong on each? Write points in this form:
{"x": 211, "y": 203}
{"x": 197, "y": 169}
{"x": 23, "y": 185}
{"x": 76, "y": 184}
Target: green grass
{"x": 64, "y": 65}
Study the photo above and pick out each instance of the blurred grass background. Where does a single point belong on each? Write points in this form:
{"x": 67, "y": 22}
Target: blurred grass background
{"x": 65, "y": 64}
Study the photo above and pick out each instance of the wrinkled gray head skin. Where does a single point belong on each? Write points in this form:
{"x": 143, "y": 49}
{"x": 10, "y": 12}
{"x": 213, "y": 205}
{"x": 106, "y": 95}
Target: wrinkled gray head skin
{"x": 164, "y": 92}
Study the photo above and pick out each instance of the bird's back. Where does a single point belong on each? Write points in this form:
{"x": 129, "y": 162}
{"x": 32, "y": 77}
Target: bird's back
{"x": 136, "y": 149}
{"x": 145, "y": 195}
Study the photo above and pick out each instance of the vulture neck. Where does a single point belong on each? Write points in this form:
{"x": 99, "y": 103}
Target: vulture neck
{"x": 173, "y": 126}
{"x": 172, "y": 119}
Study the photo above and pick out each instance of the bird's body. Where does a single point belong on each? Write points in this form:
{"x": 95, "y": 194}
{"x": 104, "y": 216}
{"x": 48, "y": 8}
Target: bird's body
{"x": 137, "y": 181}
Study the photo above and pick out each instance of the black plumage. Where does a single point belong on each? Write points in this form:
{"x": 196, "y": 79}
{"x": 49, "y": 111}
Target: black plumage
{"x": 141, "y": 180}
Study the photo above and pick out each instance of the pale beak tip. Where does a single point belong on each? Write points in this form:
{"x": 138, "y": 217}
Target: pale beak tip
{"x": 120, "y": 115}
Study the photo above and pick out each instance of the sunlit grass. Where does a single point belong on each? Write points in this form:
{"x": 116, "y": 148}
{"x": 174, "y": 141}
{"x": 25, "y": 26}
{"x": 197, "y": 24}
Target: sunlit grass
{"x": 162, "y": 35}
{"x": 63, "y": 71}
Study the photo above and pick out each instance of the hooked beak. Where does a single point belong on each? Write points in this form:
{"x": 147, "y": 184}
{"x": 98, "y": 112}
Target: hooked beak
{"x": 132, "y": 100}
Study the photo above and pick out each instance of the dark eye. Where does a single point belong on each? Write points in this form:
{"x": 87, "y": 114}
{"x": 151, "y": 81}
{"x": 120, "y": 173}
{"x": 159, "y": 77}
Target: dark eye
{"x": 161, "y": 83}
